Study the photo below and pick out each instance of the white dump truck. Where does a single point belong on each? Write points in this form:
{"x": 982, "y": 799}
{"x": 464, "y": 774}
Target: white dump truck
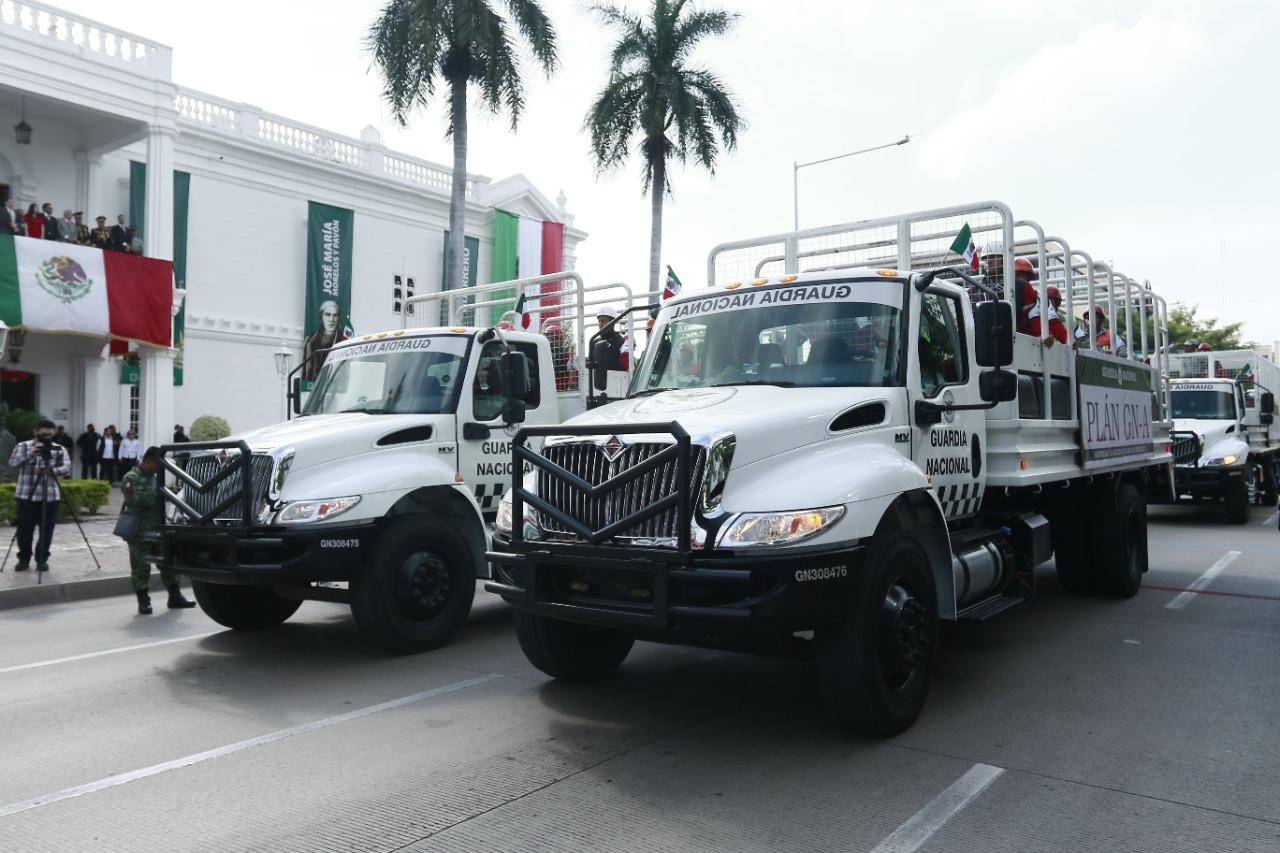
{"x": 838, "y": 443}
{"x": 1226, "y": 443}
{"x": 377, "y": 493}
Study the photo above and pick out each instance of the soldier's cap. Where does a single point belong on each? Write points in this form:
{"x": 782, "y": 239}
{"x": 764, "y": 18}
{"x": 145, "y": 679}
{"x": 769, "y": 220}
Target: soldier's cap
{"x": 100, "y": 219}
{"x": 78, "y": 213}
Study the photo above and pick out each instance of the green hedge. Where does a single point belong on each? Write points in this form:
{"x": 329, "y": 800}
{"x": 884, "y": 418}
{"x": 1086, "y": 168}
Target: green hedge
{"x": 85, "y": 495}
{"x": 22, "y": 423}
{"x": 209, "y": 428}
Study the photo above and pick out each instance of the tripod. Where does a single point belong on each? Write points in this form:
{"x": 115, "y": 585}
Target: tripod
{"x": 41, "y": 486}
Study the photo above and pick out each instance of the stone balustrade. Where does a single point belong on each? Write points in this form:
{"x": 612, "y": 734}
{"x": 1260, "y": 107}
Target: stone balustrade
{"x": 366, "y": 155}
{"x": 87, "y": 37}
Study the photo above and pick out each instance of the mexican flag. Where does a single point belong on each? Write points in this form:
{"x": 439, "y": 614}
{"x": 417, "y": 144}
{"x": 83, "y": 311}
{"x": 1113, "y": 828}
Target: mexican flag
{"x": 62, "y": 287}
{"x": 673, "y": 287}
{"x": 522, "y": 311}
{"x": 963, "y": 245}
{"x": 524, "y": 247}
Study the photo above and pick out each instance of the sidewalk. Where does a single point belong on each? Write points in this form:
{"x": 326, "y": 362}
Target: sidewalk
{"x": 72, "y": 575}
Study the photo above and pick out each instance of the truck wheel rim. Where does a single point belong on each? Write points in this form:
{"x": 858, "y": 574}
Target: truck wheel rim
{"x": 905, "y": 637}
{"x": 423, "y": 585}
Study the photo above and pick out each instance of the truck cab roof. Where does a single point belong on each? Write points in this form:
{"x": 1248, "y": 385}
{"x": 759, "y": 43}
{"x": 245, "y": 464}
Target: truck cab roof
{"x": 798, "y": 279}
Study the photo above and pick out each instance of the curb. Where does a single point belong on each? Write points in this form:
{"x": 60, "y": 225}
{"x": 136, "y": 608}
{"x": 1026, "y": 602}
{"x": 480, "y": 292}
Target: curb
{"x": 83, "y": 590}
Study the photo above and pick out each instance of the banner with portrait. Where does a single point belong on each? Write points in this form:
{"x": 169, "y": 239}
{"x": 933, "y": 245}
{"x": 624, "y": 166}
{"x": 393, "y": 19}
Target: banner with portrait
{"x": 328, "y": 308}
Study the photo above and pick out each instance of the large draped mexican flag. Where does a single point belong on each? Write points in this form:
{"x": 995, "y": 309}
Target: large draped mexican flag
{"x": 522, "y": 248}
{"x": 47, "y": 286}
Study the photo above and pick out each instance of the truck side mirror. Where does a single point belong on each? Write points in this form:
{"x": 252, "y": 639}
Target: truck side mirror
{"x": 515, "y": 376}
{"x": 993, "y": 334}
{"x": 601, "y": 355}
{"x": 998, "y": 386}
{"x": 295, "y": 395}
{"x": 1268, "y": 403}
{"x": 513, "y": 411}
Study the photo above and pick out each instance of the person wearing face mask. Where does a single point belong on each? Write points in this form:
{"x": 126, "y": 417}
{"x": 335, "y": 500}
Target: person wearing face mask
{"x": 40, "y": 462}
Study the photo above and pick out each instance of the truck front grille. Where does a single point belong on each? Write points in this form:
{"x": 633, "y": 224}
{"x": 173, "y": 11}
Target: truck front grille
{"x": 1186, "y": 448}
{"x": 588, "y": 461}
{"x": 204, "y": 467}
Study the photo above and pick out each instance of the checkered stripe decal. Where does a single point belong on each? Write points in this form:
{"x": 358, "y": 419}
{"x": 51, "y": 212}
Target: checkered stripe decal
{"x": 959, "y": 501}
{"x": 488, "y": 496}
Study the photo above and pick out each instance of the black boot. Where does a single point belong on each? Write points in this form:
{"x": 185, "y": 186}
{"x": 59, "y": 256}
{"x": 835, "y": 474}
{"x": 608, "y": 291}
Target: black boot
{"x": 22, "y": 566}
{"x": 176, "y": 600}
{"x": 144, "y": 603}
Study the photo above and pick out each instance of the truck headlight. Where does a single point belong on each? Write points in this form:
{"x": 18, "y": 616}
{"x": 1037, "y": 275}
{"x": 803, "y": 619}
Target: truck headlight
{"x": 506, "y": 518}
{"x": 753, "y": 529}
{"x": 1211, "y": 461}
{"x": 302, "y": 512}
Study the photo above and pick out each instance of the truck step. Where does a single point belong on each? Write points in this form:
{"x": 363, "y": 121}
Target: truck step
{"x": 988, "y": 607}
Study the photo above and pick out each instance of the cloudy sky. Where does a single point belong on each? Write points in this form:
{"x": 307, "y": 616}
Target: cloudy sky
{"x": 1144, "y": 131}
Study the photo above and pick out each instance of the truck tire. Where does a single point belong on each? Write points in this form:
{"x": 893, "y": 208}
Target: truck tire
{"x": 1069, "y": 529}
{"x": 1269, "y": 491}
{"x": 1119, "y": 543}
{"x": 1237, "y": 500}
{"x": 569, "y": 651}
{"x": 243, "y": 608}
{"x": 874, "y": 667}
{"x": 418, "y": 590}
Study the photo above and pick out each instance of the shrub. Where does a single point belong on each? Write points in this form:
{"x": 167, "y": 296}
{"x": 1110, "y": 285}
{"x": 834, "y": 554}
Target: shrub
{"x": 209, "y": 428}
{"x": 85, "y": 496}
{"x": 22, "y": 423}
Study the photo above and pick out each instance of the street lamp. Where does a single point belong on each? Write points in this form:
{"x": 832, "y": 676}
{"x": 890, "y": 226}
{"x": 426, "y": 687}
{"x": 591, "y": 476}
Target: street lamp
{"x": 284, "y": 360}
{"x": 796, "y": 167}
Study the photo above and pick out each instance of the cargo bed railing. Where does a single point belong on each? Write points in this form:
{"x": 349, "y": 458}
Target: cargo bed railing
{"x": 176, "y": 458}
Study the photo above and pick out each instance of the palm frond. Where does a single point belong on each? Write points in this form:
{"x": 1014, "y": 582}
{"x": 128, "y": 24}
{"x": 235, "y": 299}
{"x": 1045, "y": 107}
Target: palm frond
{"x": 537, "y": 30}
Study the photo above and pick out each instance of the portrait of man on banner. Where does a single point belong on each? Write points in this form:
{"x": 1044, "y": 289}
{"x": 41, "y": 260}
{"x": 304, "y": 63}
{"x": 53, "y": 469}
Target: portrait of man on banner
{"x": 332, "y": 329}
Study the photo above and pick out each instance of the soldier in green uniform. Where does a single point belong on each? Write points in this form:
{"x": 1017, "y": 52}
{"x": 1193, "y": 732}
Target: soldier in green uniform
{"x": 139, "y": 487}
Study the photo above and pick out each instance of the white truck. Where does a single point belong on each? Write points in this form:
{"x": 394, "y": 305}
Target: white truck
{"x": 838, "y": 443}
{"x": 1226, "y": 443}
{"x": 378, "y": 492}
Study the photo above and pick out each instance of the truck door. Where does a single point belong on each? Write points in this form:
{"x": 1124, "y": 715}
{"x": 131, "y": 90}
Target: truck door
{"x": 484, "y": 445}
{"x": 951, "y": 453}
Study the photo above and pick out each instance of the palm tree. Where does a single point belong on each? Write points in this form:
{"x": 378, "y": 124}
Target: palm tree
{"x": 652, "y": 89}
{"x": 419, "y": 43}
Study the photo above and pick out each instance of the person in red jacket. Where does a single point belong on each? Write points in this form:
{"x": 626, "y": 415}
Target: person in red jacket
{"x": 1057, "y": 329}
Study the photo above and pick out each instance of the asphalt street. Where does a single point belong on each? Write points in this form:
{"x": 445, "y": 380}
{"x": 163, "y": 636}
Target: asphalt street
{"x": 1068, "y": 725}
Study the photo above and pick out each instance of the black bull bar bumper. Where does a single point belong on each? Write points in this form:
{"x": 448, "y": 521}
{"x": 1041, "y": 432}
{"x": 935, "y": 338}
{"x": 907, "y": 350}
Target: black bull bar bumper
{"x": 661, "y": 593}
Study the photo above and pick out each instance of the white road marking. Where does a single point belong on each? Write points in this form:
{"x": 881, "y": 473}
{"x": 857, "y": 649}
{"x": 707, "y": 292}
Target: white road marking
{"x": 1271, "y": 519}
{"x": 1182, "y": 599}
{"x": 104, "y": 652}
{"x": 912, "y": 835}
{"x": 240, "y": 746}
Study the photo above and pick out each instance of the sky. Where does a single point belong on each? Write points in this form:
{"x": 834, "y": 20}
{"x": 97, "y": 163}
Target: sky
{"x": 1143, "y": 131}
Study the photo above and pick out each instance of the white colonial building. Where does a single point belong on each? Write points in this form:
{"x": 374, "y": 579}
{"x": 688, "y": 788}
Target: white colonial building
{"x": 97, "y": 100}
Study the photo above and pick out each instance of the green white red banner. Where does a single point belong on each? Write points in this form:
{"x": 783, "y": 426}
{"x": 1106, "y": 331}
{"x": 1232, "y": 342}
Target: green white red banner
{"x": 48, "y": 286}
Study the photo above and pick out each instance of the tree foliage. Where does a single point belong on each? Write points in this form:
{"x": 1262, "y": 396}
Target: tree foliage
{"x": 418, "y": 43}
{"x": 1185, "y": 325}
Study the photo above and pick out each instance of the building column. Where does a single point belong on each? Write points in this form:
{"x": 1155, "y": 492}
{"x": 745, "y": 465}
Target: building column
{"x": 86, "y": 392}
{"x": 86, "y": 182}
{"x": 158, "y": 239}
{"x": 155, "y": 395}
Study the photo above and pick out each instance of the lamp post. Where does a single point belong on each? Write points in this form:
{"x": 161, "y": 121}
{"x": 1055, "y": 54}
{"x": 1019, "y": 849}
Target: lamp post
{"x": 284, "y": 360}
{"x": 796, "y": 167}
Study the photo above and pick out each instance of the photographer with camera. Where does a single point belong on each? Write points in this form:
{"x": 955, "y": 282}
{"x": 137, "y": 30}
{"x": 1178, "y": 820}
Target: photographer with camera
{"x": 40, "y": 461}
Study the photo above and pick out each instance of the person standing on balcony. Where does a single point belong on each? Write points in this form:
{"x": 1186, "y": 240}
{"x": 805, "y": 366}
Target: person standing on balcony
{"x": 82, "y": 230}
{"x": 135, "y": 241}
{"x": 67, "y": 227}
{"x": 50, "y": 222}
{"x": 119, "y": 235}
{"x": 34, "y": 220}
{"x": 100, "y": 238}
{"x": 9, "y": 218}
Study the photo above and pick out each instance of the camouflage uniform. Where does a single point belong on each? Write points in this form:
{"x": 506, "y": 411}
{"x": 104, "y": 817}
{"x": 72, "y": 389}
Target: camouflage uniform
{"x": 140, "y": 497}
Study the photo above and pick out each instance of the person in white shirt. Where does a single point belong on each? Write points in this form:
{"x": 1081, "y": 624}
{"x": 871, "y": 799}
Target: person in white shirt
{"x": 130, "y": 453}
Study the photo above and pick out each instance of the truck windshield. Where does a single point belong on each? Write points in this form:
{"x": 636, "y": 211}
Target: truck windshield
{"x": 396, "y": 376}
{"x": 1204, "y": 405}
{"x": 800, "y": 342}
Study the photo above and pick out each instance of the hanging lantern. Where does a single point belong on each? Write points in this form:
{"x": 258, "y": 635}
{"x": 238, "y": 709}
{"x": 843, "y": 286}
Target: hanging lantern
{"x": 23, "y": 130}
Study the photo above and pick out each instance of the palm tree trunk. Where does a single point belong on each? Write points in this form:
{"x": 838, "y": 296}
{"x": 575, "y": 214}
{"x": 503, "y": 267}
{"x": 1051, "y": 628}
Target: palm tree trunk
{"x": 657, "y": 190}
{"x": 458, "y": 196}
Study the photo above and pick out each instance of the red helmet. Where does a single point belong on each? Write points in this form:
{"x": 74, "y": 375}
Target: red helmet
{"x": 1097, "y": 309}
{"x": 1205, "y": 347}
{"x": 1055, "y": 295}
{"x": 1022, "y": 265}
{"x": 552, "y": 330}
